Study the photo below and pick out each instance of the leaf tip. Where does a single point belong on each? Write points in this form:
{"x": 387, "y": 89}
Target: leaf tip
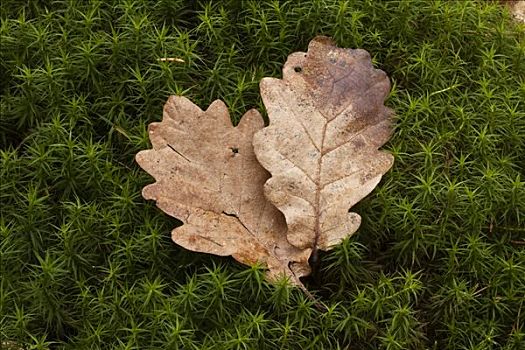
{"x": 322, "y": 40}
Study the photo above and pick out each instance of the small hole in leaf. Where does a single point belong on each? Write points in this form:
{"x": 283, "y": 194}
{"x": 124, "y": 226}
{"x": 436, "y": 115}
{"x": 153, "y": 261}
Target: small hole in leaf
{"x": 297, "y": 69}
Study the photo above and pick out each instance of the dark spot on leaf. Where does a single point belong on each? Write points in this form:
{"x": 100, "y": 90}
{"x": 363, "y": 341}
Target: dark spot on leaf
{"x": 297, "y": 69}
{"x": 233, "y": 215}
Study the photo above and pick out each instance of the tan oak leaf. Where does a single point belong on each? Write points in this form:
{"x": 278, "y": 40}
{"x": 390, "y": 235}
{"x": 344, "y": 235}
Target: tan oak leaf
{"x": 207, "y": 176}
{"x": 327, "y": 121}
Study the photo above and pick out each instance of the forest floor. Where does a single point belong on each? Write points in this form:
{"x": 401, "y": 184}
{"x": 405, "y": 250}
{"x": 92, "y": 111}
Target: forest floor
{"x": 86, "y": 263}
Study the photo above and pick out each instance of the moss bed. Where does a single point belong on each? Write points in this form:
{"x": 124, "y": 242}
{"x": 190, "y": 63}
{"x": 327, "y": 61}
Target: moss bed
{"x": 86, "y": 263}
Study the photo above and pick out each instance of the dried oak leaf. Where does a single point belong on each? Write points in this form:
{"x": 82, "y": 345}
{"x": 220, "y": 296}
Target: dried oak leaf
{"x": 327, "y": 121}
{"x": 207, "y": 176}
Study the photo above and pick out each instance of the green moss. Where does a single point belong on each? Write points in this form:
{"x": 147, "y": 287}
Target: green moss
{"x": 86, "y": 263}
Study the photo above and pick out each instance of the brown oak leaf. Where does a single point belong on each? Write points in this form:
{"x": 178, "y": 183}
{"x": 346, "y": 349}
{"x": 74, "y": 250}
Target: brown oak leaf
{"x": 207, "y": 176}
{"x": 327, "y": 121}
